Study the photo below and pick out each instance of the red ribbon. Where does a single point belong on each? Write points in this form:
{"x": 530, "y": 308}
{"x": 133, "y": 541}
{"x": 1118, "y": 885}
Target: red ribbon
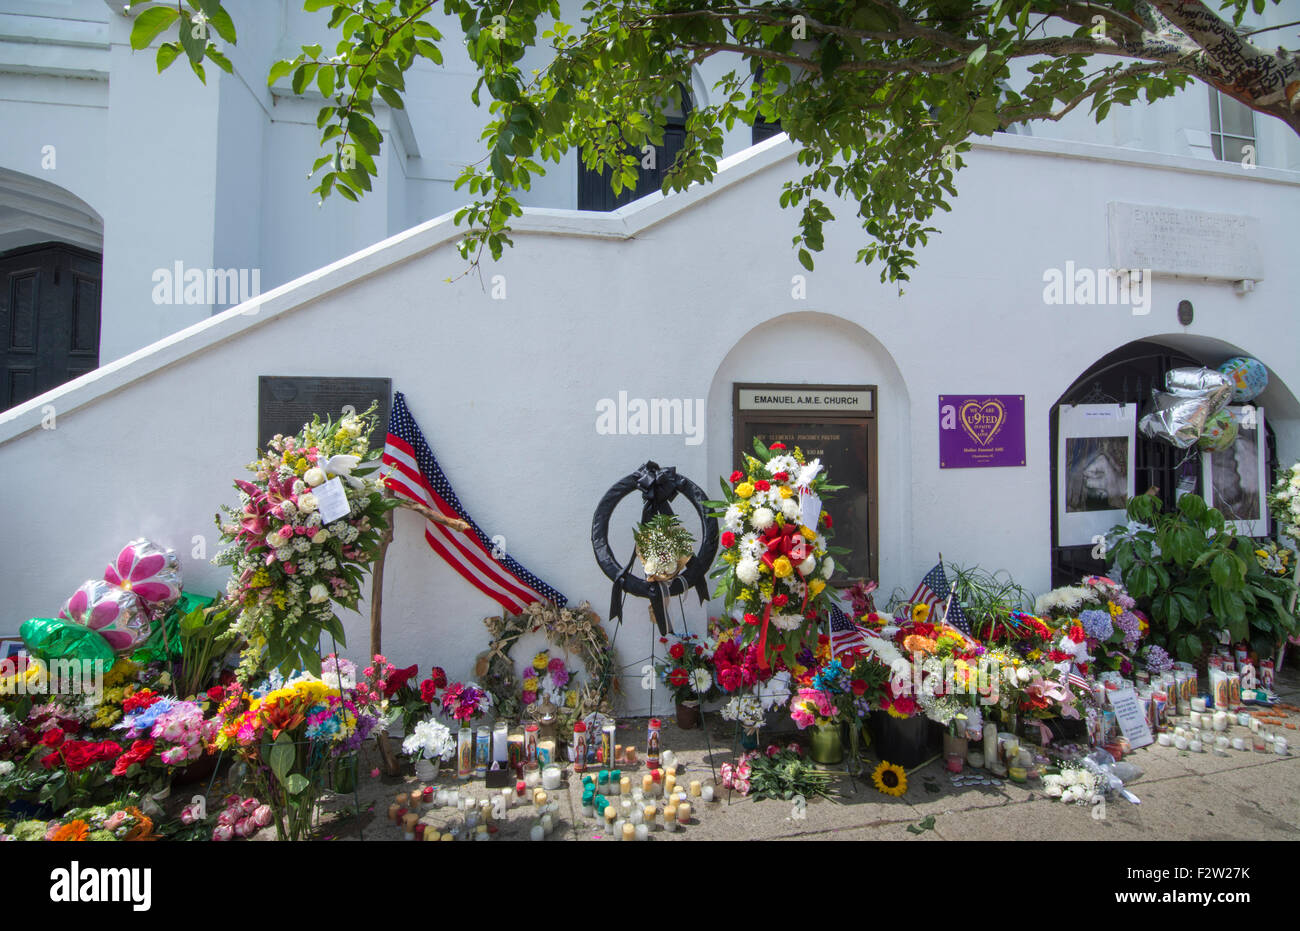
{"x": 780, "y": 541}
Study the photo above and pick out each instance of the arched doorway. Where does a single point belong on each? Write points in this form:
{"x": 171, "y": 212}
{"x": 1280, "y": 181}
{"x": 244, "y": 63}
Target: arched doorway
{"x": 50, "y": 275}
{"x": 799, "y": 351}
{"x": 1128, "y": 375}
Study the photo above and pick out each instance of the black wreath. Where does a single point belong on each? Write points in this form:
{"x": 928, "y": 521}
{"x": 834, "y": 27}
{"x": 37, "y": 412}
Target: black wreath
{"x": 658, "y": 488}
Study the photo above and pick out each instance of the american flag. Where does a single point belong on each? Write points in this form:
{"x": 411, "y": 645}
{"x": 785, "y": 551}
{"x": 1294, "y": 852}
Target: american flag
{"x": 933, "y": 588}
{"x": 414, "y": 473}
{"x": 846, "y": 634}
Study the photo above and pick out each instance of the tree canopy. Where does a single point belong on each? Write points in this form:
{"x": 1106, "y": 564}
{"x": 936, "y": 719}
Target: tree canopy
{"x": 881, "y": 96}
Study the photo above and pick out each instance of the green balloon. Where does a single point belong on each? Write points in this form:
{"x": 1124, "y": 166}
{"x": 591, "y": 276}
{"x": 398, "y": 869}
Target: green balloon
{"x": 51, "y": 638}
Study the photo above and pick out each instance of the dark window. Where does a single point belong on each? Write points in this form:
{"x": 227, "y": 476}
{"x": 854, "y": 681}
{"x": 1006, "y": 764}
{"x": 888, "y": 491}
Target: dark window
{"x": 594, "y": 192}
{"x": 49, "y": 318}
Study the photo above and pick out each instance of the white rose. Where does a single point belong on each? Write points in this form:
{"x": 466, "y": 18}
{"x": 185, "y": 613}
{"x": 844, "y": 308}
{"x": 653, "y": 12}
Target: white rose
{"x": 807, "y": 566}
{"x": 320, "y": 536}
{"x": 313, "y": 476}
{"x": 828, "y": 568}
{"x": 307, "y": 503}
{"x": 1024, "y": 674}
{"x": 762, "y": 519}
{"x": 747, "y": 571}
{"x": 274, "y": 540}
{"x": 790, "y": 508}
{"x": 1052, "y": 790}
{"x": 319, "y": 593}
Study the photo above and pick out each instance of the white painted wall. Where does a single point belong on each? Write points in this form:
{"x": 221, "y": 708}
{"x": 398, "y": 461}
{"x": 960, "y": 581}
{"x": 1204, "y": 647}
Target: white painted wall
{"x": 675, "y": 297}
{"x": 215, "y": 176}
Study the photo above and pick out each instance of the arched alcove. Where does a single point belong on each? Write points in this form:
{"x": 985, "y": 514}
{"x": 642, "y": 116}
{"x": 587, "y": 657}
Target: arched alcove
{"x": 1128, "y": 374}
{"x": 51, "y": 265}
{"x": 800, "y": 349}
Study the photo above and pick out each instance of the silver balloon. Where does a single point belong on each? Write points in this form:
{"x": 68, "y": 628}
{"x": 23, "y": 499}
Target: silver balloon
{"x": 1192, "y": 398}
{"x": 113, "y": 612}
{"x": 151, "y": 571}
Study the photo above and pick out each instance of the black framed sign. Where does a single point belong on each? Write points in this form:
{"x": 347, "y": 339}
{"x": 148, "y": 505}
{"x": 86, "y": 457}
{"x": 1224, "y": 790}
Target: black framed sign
{"x": 838, "y": 425}
{"x": 286, "y": 402}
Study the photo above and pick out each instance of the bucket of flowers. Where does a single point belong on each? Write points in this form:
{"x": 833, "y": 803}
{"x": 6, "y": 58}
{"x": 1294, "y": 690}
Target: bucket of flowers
{"x": 686, "y": 672}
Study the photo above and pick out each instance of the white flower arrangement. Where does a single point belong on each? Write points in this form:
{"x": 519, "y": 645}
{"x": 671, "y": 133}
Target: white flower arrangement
{"x": 431, "y": 739}
{"x": 746, "y": 710}
{"x": 1072, "y": 785}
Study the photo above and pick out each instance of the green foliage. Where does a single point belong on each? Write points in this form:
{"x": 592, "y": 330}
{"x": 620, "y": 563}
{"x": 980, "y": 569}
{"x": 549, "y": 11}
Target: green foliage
{"x": 986, "y": 595}
{"x": 1197, "y": 577}
{"x": 882, "y": 98}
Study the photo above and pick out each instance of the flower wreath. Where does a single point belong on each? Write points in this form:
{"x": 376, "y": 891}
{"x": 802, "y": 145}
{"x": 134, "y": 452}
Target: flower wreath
{"x": 571, "y": 630}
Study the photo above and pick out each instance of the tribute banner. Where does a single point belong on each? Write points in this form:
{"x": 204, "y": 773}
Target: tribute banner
{"x": 981, "y": 430}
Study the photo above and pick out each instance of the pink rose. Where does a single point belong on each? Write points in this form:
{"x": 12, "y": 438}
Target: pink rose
{"x": 116, "y": 820}
{"x": 262, "y": 816}
{"x": 223, "y": 832}
{"x": 245, "y": 827}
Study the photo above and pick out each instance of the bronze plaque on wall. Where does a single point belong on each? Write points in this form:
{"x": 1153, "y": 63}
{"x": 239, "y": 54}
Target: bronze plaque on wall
{"x": 833, "y": 423}
{"x": 286, "y": 402}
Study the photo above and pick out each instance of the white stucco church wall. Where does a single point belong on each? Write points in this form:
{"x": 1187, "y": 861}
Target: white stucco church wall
{"x": 675, "y": 297}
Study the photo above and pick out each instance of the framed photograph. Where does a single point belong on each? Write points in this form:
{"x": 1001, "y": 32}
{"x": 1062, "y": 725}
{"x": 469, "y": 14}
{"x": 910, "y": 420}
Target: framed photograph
{"x": 1095, "y": 469}
{"x": 1236, "y": 479}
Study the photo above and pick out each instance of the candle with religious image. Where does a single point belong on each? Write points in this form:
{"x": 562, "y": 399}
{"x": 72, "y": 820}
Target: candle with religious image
{"x": 465, "y": 752}
{"x": 607, "y": 745}
{"x": 579, "y": 747}
{"x": 652, "y": 743}
{"x": 531, "y": 736}
{"x": 482, "y": 751}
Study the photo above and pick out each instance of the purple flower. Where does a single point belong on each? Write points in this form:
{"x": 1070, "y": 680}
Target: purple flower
{"x": 1158, "y": 660}
{"x": 1131, "y": 627}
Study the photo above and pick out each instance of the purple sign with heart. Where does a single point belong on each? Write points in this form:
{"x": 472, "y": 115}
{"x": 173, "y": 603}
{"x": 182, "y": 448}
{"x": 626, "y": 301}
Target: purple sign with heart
{"x": 981, "y": 430}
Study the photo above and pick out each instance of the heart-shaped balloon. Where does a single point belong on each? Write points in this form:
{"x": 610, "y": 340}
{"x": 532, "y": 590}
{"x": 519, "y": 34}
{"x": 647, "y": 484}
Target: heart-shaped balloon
{"x": 114, "y": 613}
{"x": 152, "y": 572}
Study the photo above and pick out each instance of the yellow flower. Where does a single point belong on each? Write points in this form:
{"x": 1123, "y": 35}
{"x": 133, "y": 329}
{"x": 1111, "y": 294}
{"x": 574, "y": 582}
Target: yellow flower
{"x": 300, "y": 466}
{"x": 540, "y": 661}
{"x": 530, "y": 684}
{"x": 744, "y": 489}
{"x": 1035, "y": 655}
{"x": 920, "y": 612}
{"x": 815, "y": 587}
{"x": 808, "y": 533}
{"x": 782, "y": 567}
{"x": 890, "y": 779}
{"x": 785, "y": 491}
{"x": 1115, "y": 610}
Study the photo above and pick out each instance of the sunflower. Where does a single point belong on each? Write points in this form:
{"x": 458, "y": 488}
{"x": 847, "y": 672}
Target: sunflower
{"x": 920, "y": 612}
{"x": 890, "y": 779}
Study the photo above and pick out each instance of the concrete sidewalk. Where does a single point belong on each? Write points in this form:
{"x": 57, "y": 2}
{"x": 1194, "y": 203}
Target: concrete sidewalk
{"x": 1184, "y": 796}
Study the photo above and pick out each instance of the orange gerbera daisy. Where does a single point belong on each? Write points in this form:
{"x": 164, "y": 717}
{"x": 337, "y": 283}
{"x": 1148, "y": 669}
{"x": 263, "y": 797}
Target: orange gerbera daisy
{"x": 73, "y": 830}
{"x": 914, "y": 643}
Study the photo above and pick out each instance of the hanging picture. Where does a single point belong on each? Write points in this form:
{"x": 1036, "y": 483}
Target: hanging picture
{"x": 1095, "y": 470}
{"x": 1235, "y": 479}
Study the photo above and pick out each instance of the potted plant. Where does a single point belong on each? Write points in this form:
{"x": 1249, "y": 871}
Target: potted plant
{"x": 685, "y": 670}
{"x": 1199, "y": 578}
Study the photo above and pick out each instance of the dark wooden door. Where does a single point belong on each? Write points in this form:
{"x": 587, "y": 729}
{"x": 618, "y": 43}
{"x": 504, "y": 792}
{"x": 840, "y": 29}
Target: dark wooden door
{"x": 49, "y": 318}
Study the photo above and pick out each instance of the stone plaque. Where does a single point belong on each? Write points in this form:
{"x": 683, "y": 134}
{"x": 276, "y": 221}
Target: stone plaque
{"x": 845, "y": 444}
{"x": 1187, "y": 243}
{"x": 286, "y": 402}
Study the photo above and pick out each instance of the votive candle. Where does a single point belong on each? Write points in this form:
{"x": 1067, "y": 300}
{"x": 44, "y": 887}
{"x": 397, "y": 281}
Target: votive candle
{"x": 629, "y": 831}
{"x": 706, "y": 793}
{"x": 649, "y": 813}
{"x": 684, "y": 813}
{"x": 642, "y": 832}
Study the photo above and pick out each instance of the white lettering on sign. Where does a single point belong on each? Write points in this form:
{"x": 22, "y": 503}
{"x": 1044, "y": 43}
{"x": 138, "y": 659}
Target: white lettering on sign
{"x": 1186, "y": 243}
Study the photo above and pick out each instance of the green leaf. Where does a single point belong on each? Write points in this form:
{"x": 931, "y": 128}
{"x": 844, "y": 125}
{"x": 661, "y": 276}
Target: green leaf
{"x": 282, "y": 757}
{"x": 296, "y": 784}
{"x": 149, "y": 24}
{"x": 167, "y": 53}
